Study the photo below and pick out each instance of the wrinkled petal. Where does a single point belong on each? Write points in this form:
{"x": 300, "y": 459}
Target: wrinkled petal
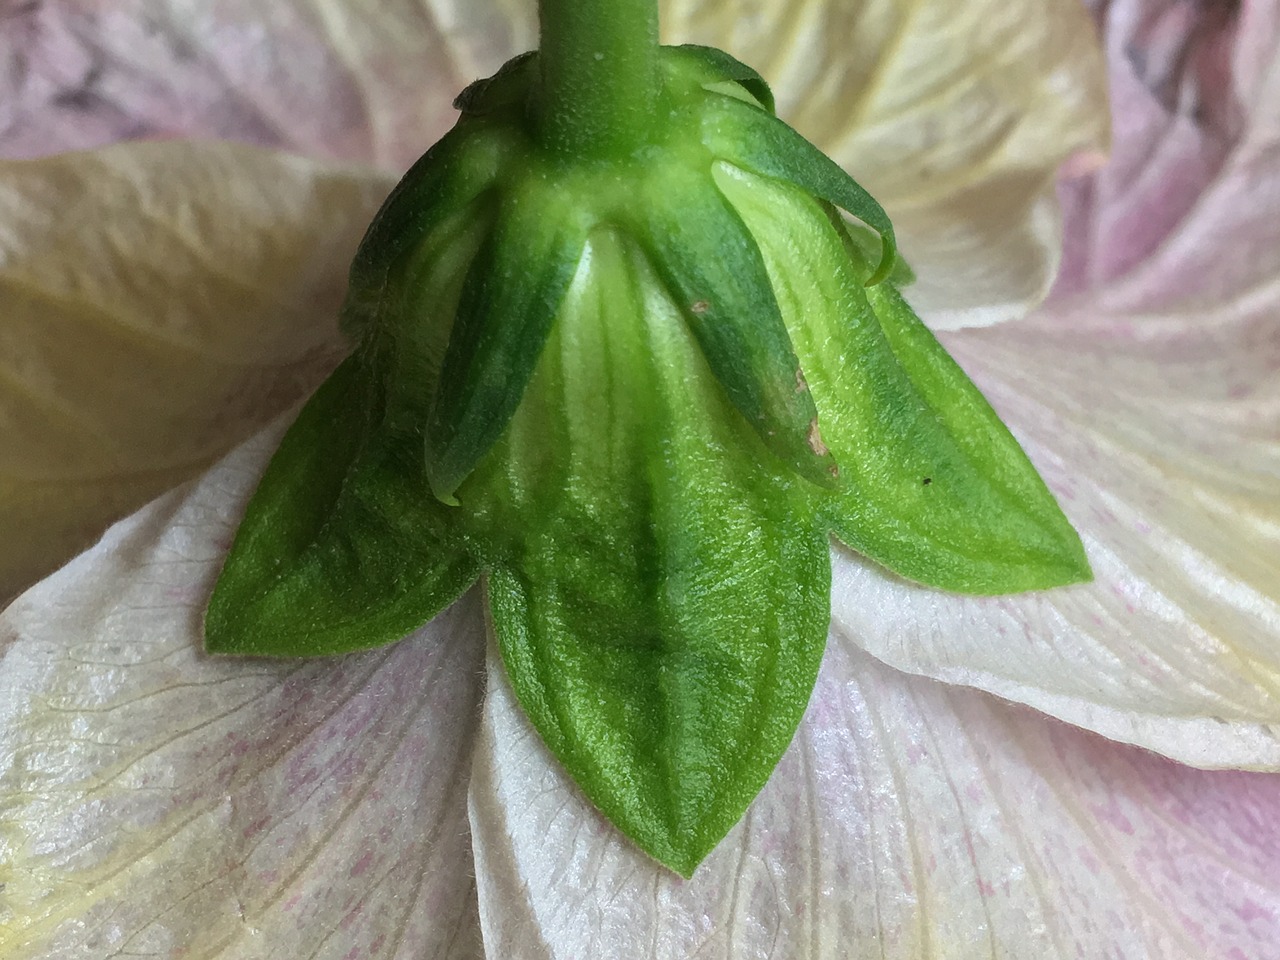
{"x": 328, "y": 78}
{"x": 955, "y": 117}
{"x": 161, "y": 302}
{"x": 908, "y": 821}
{"x": 1148, "y": 393}
{"x": 157, "y": 802}
{"x": 1191, "y": 181}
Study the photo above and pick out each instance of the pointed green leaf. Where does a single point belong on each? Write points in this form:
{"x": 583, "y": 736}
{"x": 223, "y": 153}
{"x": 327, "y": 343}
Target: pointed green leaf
{"x": 446, "y": 181}
{"x": 932, "y": 484}
{"x": 663, "y": 609}
{"x": 510, "y": 298}
{"x": 340, "y": 548}
{"x": 762, "y": 144}
{"x": 709, "y": 260}
{"x": 709, "y": 67}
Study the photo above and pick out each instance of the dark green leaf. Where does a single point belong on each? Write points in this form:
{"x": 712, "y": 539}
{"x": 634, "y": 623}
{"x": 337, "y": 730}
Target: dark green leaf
{"x": 761, "y": 143}
{"x": 443, "y": 184}
{"x": 510, "y": 298}
{"x": 340, "y": 548}
{"x": 708, "y": 66}
{"x": 663, "y": 608}
{"x": 707, "y": 257}
{"x": 932, "y": 484}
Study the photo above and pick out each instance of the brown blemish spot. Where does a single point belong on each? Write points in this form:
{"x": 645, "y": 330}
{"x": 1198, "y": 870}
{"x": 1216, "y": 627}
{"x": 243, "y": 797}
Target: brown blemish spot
{"x": 815, "y": 439}
{"x": 834, "y": 470}
{"x": 927, "y": 480}
{"x": 801, "y": 383}
{"x": 699, "y": 307}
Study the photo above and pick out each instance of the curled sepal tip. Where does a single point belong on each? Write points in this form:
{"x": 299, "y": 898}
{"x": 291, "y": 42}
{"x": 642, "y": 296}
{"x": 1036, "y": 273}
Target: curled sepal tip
{"x": 713, "y": 68}
{"x": 761, "y": 143}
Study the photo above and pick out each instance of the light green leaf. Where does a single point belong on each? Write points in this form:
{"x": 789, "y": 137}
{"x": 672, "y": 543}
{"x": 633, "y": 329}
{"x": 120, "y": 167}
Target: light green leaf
{"x": 933, "y": 486}
{"x": 662, "y": 606}
{"x": 709, "y": 260}
{"x": 338, "y": 550}
{"x": 162, "y": 302}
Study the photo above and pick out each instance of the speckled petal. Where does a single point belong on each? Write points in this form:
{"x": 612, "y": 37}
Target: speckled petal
{"x": 157, "y": 802}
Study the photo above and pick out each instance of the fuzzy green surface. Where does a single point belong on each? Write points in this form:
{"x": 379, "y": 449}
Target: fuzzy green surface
{"x": 634, "y": 394}
{"x": 660, "y": 602}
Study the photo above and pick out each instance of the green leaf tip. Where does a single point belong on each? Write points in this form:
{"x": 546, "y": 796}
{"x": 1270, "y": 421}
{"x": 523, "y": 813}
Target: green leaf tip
{"x": 635, "y": 394}
{"x": 336, "y": 552}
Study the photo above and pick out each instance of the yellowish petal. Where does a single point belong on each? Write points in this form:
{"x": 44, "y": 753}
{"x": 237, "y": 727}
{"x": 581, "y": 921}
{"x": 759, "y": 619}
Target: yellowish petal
{"x": 161, "y": 302}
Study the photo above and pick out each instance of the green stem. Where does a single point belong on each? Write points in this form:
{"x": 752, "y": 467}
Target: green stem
{"x": 599, "y": 62}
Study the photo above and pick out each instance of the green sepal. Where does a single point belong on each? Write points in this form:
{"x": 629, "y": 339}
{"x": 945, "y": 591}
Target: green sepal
{"x": 663, "y": 608}
{"x": 710, "y": 67}
{"x": 445, "y": 181}
{"x": 762, "y": 144}
{"x": 510, "y": 298}
{"x": 338, "y": 550}
{"x": 713, "y": 268}
{"x": 507, "y": 88}
{"x": 933, "y": 485}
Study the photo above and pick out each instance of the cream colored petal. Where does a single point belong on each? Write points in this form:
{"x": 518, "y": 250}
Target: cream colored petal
{"x": 908, "y": 821}
{"x": 156, "y": 802}
{"x": 956, "y": 116}
{"x": 161, "y": 302}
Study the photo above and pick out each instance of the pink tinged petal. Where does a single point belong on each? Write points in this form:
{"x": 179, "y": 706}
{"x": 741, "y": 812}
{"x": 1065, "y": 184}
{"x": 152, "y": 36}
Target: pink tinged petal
{"x": 1186, "y": 211}
{"x": 1164, "y": 450}
{"x": 321, "y": 77}
{"x": 908, "y": 820}
{"x": 160, "y": 802}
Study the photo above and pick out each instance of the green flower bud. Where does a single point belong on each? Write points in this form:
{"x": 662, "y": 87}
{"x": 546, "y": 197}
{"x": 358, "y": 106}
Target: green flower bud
{"x": 635, "y": 394}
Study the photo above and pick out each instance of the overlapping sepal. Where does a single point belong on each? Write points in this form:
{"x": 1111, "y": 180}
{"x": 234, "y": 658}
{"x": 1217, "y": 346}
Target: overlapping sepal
{"x": 633, "y": 395}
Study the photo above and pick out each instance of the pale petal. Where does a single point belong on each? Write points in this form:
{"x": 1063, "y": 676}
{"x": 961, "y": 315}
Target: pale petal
{"x": 908, "y": 821}
{"x": 157, "y": 802}
{"x": 161, "y": 302}
{"x": 1148, "y": 393}
{"x": 956, "y": 116}
{"x": 1192, "y": 180}
{"x": 328, "y": 78}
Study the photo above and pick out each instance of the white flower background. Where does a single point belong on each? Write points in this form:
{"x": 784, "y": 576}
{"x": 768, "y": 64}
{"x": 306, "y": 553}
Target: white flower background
{"x": 173, "y": 290}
